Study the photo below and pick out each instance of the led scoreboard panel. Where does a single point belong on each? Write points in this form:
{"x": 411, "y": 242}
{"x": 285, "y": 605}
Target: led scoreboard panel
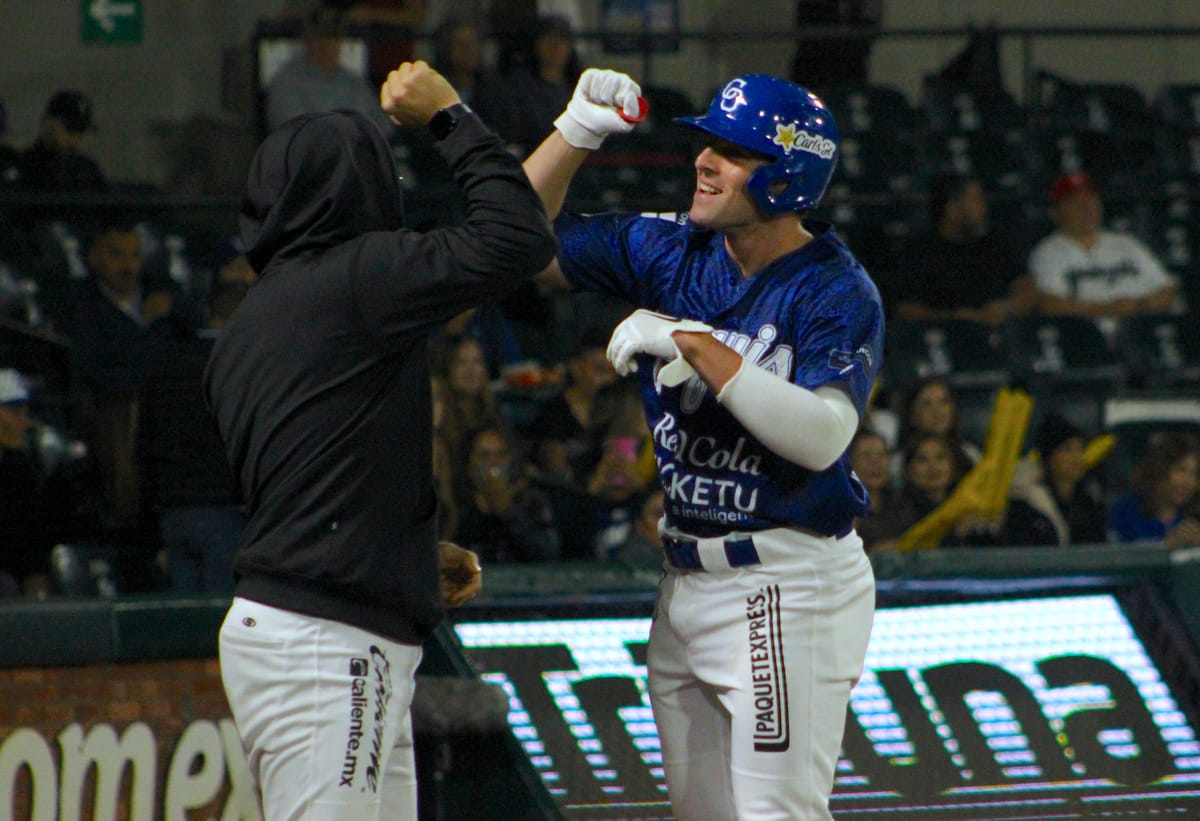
{"x": 1019, "y": 708}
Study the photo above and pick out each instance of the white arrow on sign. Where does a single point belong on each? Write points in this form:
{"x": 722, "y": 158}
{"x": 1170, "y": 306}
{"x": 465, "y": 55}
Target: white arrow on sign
{"x": 103, "y": 12}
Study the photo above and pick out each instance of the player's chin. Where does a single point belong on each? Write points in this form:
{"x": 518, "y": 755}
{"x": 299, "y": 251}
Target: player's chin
{"x": 699, "y": 215}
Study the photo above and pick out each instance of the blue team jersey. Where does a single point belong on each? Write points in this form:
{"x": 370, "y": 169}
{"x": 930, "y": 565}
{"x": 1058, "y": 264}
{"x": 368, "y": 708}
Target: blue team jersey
{"x": 812, "y": 316}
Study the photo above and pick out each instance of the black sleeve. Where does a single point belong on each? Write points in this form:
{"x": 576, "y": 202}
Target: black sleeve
{"x": 405, "y": 280}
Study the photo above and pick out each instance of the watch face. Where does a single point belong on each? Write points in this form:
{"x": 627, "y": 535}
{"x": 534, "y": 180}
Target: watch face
{"x": 444, "y": 122}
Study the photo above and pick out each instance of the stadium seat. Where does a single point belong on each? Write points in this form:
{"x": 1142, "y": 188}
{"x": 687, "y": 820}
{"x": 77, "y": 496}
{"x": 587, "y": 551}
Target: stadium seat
{"x": 876, "y": 164}
{"x": 1179, "y": 105}
{"x": 1064, "y": 362}
{"x": 1106, "y": 108}
{"x": 1174, "y": 235}
{"x": 960, "y": 351}
{"x": 998, "y": 158}
{"x": 1160, "y": 350}
{"x": 1179, "y": 154}
{"x": 79, "y": 570}
{"x": 875, "y": 232}
{"x": 1125, "y": 163}
{"x": 970, "y": 108}
{"x": 868, "y": 109}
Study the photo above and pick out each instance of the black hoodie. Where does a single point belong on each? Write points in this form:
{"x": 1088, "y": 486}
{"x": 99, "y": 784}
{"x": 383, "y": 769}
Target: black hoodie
{"x": 320, "y": 382}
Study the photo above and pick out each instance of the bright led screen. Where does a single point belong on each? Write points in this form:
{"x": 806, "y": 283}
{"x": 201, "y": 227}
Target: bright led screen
{"x": 1021, "y": 708}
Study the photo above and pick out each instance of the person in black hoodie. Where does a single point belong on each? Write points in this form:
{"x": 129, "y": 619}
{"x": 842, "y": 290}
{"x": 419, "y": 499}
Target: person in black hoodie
{"x": 320, "y": 387}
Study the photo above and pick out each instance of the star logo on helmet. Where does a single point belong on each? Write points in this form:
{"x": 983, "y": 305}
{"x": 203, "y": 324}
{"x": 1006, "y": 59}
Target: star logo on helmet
{"x": 785, "y": 135}
{"x": 792, "y": 139}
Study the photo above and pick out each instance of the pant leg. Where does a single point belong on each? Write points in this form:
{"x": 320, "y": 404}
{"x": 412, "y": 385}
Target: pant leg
{"x": 319, "y": 706}
{"x": 789, "y": 716}
{"x": 400, "y": 779}
{"x": 779, "y": 647}
{"x": 693, "y": 726}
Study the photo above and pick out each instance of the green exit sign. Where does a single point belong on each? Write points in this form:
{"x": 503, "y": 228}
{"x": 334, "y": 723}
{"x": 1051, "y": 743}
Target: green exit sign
{"x": 111, "y": 21}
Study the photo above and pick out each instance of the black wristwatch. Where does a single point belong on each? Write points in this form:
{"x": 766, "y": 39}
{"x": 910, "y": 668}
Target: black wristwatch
{"x": 447, "y": 119}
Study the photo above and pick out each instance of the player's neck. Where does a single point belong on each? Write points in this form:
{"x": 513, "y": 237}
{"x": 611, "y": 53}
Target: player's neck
{"x": 755, "y": 246}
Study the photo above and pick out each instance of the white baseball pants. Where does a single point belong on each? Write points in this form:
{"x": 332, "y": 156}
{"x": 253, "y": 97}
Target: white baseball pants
{"x": 750, "y": 672}
{"x": 323, "y": 712}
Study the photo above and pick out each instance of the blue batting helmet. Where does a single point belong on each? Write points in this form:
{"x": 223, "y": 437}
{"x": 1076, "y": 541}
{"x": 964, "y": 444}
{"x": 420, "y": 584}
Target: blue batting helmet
{"x": 787, "y": 124}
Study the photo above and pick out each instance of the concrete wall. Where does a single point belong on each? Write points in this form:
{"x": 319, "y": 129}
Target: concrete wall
{"x": 151, "y": 96}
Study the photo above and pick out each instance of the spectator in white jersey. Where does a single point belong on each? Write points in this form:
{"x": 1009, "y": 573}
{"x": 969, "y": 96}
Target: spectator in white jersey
{"x": 1082, "y": 269}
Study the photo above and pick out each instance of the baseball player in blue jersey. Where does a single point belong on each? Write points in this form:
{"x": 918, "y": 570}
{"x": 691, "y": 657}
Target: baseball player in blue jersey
{"x": 756, "y": 342}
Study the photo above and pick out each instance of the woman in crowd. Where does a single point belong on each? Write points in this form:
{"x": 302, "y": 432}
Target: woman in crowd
{"x": 871, "y": 460}
{"x": 1052, "y": 500}
{"x": 1161, "y": 505}
{"x": 931, "y": 472}
{"x": 928, "y": 407}
{"x": 469, "y": 401}
{"x": 544, "y": 86}
{"x": 501, "y": 517}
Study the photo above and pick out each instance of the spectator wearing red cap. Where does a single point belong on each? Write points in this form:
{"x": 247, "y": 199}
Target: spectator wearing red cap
{"x": 55, "y": 162}
{"x": 1083, "y": 269}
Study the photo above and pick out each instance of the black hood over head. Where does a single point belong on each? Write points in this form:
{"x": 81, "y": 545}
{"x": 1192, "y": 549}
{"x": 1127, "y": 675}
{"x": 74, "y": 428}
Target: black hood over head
{"x": 317, "y": 181}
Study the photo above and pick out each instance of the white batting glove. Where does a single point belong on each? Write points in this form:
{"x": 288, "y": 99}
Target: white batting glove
{"x": 595, "y": 108}
{"x": 647, "y": 332}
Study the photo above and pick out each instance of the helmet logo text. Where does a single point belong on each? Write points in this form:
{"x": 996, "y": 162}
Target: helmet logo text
{"x": 791, "y": 139}
{"x": 731, "y": 95}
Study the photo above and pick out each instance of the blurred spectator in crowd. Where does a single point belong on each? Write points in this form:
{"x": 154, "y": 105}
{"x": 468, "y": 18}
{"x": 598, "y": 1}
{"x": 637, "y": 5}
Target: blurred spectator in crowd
{"x": 501, "y": 517}
{"x": 643, "y": 546}
{"x": 840, "y": 57}
{"x": 559, "y": 434}
{"x": 543, "y": 88}
{"x": 458, "y": 55}
{"x": 315, "y": 80}
{"x": 931, "y": 471}
{"x": 961, "y": 268}
{"x": 186, "y": 478}
{"x": 1085, "y": 270}
{"x": 110, "y": 319}
{"x": 55, "y": 161}
{"x": 928, "y": 407}
{"x": 384, "y": 53}
{"x": 617, "y": 468}
{"x": 470, "y": 403}
{"x": 514, "y": 25}
{"x": 871, "y": 459}
{"x": 39, "y": 499}
{"x": 9, "y": 156}
{"x": 1161, "y": 505}
{"x": 1052, "y": 501}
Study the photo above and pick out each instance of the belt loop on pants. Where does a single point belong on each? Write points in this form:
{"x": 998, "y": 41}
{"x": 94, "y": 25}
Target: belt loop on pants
{"x": 706, "y": 554}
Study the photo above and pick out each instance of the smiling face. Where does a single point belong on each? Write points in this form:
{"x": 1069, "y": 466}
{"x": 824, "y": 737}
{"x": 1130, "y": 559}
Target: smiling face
{"x": 1182, "y": 480}
{"x": 721, "y": 201}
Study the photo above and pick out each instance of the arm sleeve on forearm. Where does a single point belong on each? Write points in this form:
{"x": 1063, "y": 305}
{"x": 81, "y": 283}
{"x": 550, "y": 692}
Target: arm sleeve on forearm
{"x": 810, "y": 428}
